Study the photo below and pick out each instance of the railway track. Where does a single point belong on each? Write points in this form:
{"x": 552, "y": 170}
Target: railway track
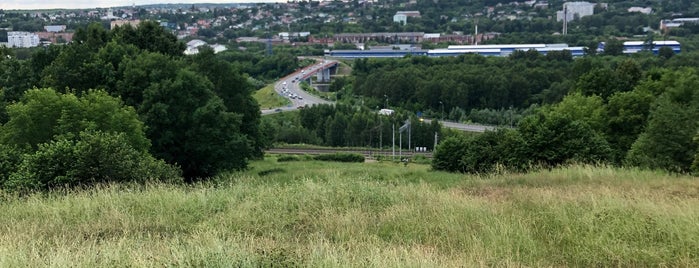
{"x": 368, "y": 153}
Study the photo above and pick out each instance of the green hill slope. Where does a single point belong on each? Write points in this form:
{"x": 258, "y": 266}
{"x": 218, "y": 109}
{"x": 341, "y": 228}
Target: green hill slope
{"x": 371, "y": 215}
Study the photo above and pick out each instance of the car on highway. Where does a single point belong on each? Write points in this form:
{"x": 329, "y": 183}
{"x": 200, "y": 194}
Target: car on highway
{"x": 278, "y": 110}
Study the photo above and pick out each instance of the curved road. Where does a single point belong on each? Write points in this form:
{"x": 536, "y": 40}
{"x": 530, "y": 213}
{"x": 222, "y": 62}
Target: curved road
{"x": 289, "y": 85}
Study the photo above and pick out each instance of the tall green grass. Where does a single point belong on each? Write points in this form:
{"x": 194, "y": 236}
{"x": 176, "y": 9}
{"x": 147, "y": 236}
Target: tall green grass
{"x": 268, "y": 98}
{"x": 324, "y": 214}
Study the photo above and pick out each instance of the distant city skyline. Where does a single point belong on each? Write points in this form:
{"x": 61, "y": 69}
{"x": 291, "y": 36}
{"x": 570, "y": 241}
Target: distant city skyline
{"x": 83, "y": 4}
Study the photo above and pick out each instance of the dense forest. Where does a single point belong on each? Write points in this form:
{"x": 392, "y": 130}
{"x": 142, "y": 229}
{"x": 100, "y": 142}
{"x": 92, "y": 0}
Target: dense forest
{"x": 123, "y": 105}
{"x": 633, "y": 111}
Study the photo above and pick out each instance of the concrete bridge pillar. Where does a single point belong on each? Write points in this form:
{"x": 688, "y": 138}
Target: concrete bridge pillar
{"x": 323, "y": 76}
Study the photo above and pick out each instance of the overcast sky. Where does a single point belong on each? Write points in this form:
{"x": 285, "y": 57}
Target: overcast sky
{"x": 51, "y": 4}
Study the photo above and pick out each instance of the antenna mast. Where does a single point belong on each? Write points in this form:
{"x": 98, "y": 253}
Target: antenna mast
{"x": 565, "y": 19}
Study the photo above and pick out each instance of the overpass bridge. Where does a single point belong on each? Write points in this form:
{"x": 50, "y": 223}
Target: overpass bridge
{"x": 322, "y": 71}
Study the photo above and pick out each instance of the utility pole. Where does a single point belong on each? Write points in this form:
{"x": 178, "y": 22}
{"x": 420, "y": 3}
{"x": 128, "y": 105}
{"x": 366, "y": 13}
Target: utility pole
{"x": 436, "y": 139}
{"x": 442, "y": 104}
{"x": 475, "y": 37}
{"x": 381, "y": 136}
{"x": 393, "y": 128}
{"x": 565, "y": 19}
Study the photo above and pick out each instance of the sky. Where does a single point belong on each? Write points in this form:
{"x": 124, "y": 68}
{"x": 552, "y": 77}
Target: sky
{"x": 71, "y": 4}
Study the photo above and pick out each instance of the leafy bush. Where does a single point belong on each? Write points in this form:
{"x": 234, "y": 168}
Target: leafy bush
{"x": 340, "y": 157}
{"x": 553, "y": 140}
{"x": 482, "y": 153}
{"x": 94, "y": 157}
{"x": 545, "y": 140}
{"x": 10, "y": 158}
{"x": 287, "y": 158}
{"x": 448, "y": 154}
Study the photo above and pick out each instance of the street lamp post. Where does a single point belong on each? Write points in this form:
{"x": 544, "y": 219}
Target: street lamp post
{"x": 442, "y": 104}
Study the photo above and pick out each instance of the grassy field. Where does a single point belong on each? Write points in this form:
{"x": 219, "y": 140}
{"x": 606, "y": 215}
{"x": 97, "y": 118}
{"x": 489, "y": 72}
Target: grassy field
{"x": 363, "y": 215}
{"x": 268, "y": 98}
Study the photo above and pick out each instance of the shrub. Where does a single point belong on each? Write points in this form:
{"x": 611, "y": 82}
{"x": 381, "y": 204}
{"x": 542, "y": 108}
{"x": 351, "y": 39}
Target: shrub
{"x": 340, "y": 157}
{"x": 94, "y": 157}
{"x": 10, "y": 158}
{"x": 482, "y": 153}
{"x": 555, "y": 139}
{"x": 287, "y": 158}
{"x": 421, "y": 159}
{"x": 448, "y": 154}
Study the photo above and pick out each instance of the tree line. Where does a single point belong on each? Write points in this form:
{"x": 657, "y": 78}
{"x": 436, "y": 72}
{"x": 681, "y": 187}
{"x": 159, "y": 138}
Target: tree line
{"x": 344, "y": 125}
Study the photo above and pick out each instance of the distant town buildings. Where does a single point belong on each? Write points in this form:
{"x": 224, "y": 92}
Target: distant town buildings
{"x": 56, "y": 38}
{"x": 410, "y": 37}
{"x": 573, "y": 10}
{"x": 117, "y": 23}
{"x": 644, "y": 10}
{"x": 55, "y": 28}
{"x": 194, "y": 45}
{"x": 677, "y": 22}
{"x": 402, "y": 16}
{"x": 287, "y": 36}
{"x": 110, "y": 15}
{"x": 22, "y": 39}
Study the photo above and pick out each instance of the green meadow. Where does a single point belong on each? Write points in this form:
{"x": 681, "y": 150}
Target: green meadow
{"x": 268, "y": 98}
{"x": 379, "y": 214}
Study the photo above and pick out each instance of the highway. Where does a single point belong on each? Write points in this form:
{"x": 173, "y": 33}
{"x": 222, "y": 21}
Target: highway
{"x": 289, "y": 86}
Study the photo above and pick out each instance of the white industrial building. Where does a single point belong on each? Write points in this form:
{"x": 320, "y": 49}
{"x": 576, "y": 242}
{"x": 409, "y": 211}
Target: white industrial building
{"x": 22, "y": 39}
{"x": 572, "y": 10}
{"x": 400, "y": 18}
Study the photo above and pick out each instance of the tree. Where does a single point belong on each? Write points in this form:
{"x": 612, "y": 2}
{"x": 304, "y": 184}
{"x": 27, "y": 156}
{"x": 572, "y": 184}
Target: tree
{"x": 448, "y": 154}
{"x": 613, "y": 47}
{"x": 628, "y": 73}
{"x": 627, "y": 115}
{"x": 76, "y": 68}
{"x": 590, "y": 110}
{"x": 93, "y": 37}
{"x": 235, "y": 91}
{"x": 190, "y": 126}
{"x": 44, "y": 114}
{"x": 665, "y": 52}
{"x": 145, "y": 70}
{"x": 554, "y": 139}
{"x": 150, "y": 36}
{"x": 667, "y": 141}
{"x": 601, "y": 82}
